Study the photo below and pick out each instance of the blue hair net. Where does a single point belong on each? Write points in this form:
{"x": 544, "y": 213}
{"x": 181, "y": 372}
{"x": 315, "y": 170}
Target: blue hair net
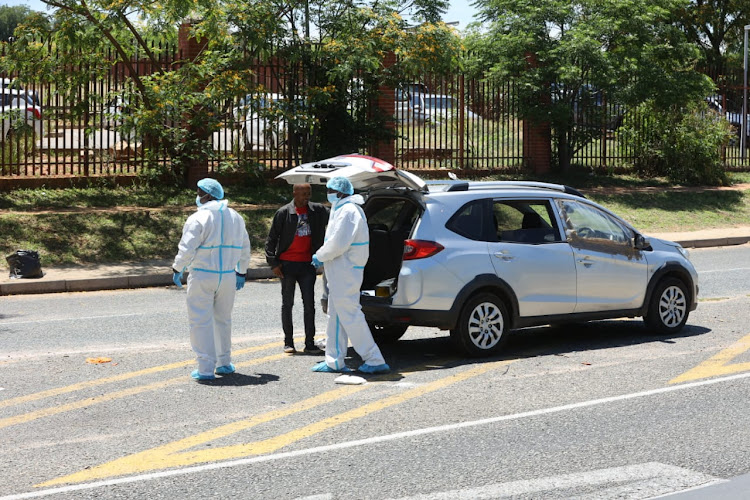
{"x": 212, "y": 187}
{"x": 341, "y": 184}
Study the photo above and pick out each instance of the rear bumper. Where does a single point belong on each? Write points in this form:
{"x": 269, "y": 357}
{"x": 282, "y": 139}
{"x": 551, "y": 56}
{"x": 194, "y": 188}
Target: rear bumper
{"x": 379, "y": 310}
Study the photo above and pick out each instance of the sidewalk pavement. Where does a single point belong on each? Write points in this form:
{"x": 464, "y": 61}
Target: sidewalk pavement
{"x": 154, "y": 273}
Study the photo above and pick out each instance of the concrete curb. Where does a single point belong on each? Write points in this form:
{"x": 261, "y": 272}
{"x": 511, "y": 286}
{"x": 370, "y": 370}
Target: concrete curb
{"x": 146, "y": 279}
{"x": 714, "y": 242}
{"x": 30, "y": 286}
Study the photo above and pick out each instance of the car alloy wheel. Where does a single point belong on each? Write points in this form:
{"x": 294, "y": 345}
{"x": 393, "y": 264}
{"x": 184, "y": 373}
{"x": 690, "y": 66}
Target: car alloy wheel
{"x": 482, "y": 326}
{"x": 668, "y": 310}
{"x": 672, "y": 306}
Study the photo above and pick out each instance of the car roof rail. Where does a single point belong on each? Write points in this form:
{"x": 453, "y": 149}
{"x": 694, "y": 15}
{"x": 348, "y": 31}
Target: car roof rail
{"x": 457, "y": 185}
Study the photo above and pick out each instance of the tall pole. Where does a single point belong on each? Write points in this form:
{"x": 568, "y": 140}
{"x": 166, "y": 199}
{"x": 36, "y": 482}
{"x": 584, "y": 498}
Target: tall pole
{"x": 743, "y": 132}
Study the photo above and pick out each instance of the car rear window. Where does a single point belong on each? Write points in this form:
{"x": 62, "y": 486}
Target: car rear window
{"x": 473, "y": 221}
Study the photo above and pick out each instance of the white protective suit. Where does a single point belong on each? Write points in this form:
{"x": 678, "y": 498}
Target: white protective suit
{"x": 214, "y": 245}
{"x": 344, "y": 254}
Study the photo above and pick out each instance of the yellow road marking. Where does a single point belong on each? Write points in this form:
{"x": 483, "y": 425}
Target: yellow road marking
{"x": 84, "y": 403}
{"x": 172, "y": 455}
{"x": 117, "y": 378}
{"x": 719, "y": 364}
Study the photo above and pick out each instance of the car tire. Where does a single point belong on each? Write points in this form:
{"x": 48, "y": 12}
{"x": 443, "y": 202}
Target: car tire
{"x": 669, "y": 307}
{"x": 482, "y": 325}
{"x": 386, "y": 334}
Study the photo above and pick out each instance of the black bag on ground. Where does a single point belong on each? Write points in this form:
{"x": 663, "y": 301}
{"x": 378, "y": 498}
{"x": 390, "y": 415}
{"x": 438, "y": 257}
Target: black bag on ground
{"x": 25, "y": 264}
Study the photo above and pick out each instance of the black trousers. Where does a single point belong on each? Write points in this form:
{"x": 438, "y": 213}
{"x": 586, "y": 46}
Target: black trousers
{"x": 304, "y": 274}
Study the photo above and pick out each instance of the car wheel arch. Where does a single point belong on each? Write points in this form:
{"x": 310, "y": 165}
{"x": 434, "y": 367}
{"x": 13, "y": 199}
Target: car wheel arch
{"x": 486, "y": 283}
{"x": 670, "y": 270}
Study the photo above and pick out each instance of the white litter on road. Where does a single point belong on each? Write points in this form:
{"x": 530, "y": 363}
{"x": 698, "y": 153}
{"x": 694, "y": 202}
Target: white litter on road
{"x": 350, "y": 380}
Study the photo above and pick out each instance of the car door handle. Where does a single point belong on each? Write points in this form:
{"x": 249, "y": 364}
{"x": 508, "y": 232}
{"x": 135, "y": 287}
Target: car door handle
{"x": 504, "y": 255}
{"x": 586, "y": 261}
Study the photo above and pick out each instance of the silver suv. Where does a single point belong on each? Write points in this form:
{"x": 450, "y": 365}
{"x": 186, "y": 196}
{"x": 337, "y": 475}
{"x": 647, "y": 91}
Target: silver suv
{"x": 482, "y": 258}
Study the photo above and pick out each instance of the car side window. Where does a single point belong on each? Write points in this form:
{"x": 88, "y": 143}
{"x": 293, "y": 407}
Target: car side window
{"x": 525, "y": 221}
{"x": 587, "y": 224}
{"x": 473, "y": 221}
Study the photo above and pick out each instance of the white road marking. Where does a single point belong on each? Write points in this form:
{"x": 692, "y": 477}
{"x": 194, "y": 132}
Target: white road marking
{"x": 76, "y": 318}
{"x": 726, "y": 270}
{"x": 631, "y": 481}
{"x": 372, "y": 440}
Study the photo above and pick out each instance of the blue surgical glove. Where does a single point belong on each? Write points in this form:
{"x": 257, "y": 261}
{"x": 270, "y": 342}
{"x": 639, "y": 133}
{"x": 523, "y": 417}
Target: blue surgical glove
{"x": 315, "y": 262}
{"x": 240, "y": 280}
{"x": 177, "y": 278}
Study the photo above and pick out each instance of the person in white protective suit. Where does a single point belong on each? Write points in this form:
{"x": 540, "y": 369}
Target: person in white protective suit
{"x": 344, "y": 254}
{"x": 215, "y": 248}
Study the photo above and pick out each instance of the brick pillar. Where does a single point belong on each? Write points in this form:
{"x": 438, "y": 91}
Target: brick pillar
{"x": 537, "y": 137}
{"x": 189, "y": 49}
{"x": 386, "y": 103}
{"x": 188, "y": 46}
{"x": 537, "y": 146}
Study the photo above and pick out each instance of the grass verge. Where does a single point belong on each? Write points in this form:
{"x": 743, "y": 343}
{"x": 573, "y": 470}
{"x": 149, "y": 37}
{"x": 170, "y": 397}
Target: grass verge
{"x": 152, "y": 230}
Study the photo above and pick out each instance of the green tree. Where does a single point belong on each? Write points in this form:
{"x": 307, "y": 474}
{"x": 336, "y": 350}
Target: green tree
{"x": 340, "y": 48}
{"x": 716, "y": 26}
{"x": 683, "y": 145}
{"x": 332, "y": 47}
{"x": 10, "y": 17}
{"x": 559, "y": 52}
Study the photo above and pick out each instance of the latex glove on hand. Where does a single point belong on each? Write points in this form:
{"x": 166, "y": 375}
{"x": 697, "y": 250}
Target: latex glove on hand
{"x": 177, "y": 278}
{"x": 240, "y": 280}
{"x": 316, "y": 263}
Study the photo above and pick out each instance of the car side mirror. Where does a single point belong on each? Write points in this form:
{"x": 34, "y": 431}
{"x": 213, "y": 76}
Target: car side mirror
{"x": 640, "y": 242}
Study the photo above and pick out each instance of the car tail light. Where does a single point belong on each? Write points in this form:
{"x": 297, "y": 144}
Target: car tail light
{"x": 37, "y": 113}
{"x": 419, "y": 249}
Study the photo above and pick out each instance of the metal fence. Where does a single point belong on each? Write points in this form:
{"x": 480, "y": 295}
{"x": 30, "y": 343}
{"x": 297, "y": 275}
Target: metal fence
{"x": 450, "y": 122}
{"x": 459, "y": 124}
{"x": 440, "y": 122}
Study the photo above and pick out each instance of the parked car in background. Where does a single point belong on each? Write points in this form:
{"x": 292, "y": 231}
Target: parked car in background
{"x": 14, "y": 84}
{"x": 20, "y": 109}
{"x": 114, "y": 111}
{"x": 436, "y": 109}
{"x": 483, "y": 258}
{"x": 589, "y": 106}
{"x": 264, "y": 119}
{"x": 591, "y": 109}
{"x": 407, "y": 97}
{"x": 723, "y": 106}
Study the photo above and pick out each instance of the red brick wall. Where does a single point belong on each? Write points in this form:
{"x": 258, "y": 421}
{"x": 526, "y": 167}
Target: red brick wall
{"x": 537, "y": 146}
{"x": 386, "y": 103}
{"x": 190, "y": 48}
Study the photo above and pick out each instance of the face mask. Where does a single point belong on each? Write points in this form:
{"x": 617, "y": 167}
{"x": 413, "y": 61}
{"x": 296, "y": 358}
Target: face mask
{"x": 198, "y": 201}
{"x": 333, "y": 198}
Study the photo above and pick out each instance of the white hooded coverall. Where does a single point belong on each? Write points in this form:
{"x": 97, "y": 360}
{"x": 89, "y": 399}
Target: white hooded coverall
{"x": 344, "y": 254}
{"x": 214, "y": 245}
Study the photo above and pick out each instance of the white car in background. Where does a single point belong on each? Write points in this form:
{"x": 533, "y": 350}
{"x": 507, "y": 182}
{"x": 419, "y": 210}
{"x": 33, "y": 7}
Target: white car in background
{"x": 437, "y": 109}
{"x": 263, "y": 119}
{"x": 407, "y": 97}
{"x": 19, "y": 107}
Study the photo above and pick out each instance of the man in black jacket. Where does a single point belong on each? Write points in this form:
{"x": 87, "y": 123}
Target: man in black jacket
{"x": 296, "y": 233}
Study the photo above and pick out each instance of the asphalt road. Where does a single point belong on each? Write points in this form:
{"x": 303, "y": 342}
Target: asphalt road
{"x": 596, "y": 410}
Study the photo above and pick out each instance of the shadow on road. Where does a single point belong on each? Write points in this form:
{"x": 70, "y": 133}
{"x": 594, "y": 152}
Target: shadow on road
{"x": 240, "y": 379}
{"x": 530, "y": 342}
